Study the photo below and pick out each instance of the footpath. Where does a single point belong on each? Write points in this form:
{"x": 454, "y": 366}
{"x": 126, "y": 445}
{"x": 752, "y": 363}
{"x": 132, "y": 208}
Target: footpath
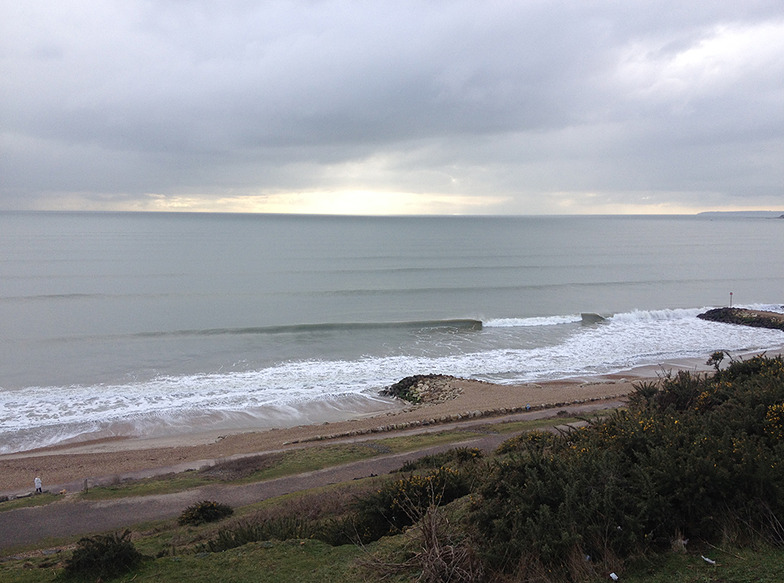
{"x": 74, "y": 517}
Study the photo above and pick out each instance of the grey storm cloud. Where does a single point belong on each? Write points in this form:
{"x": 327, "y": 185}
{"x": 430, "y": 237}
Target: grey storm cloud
{"x": 532, "y": 106}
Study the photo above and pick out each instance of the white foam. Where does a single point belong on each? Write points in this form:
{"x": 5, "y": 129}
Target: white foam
{"x": 48, "y": 414}
{"x": 657, "y": 315}
{"x": 532, "y": 322}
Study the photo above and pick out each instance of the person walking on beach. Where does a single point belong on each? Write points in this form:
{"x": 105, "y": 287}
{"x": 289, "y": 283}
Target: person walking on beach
{"x": 38, "y": 485}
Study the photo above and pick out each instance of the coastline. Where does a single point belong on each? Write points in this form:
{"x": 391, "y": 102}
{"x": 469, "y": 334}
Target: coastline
{"x": 66, "y": 466}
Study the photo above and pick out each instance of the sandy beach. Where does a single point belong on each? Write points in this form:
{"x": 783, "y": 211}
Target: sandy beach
{"x": 100, "y": 460}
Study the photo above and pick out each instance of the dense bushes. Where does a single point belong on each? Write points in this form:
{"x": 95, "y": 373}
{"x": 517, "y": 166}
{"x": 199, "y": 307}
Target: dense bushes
{"x": 457, "y": 456}
{"x": 399, "y": 503}
{"x": 102, "y": 557}
{"x": 388, "y": 508}
{"x": 698, "y": 455}
{"x": 204, "y": 511}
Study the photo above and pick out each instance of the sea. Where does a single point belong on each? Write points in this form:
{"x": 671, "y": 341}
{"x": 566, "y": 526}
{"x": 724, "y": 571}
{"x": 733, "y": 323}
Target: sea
{"x": 158, "y": 324}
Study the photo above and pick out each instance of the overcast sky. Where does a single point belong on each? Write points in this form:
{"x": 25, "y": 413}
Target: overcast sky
{"x": 485, "y": 107}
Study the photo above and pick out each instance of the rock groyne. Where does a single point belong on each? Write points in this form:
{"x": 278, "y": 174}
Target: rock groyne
{"x": 744, "y": 317}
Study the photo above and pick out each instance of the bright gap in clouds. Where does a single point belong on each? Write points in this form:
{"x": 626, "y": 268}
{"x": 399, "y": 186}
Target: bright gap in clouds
{"x": 328, "y": 203}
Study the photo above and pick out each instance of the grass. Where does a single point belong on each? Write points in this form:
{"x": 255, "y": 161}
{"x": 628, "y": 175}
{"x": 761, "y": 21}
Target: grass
{"x": 293, "y": 462}
{"x": 310, "y": 561}
{"x": 764, "y": 565}
{"x": 167, "y": 484}
{"x": 288, "y": 463}
{"x": 520, "y": 426}
{"x": 305, "y": 561}
{"x": 30, "y": 501}
{"x": 406, "y": 443}
{"x": 314, "y": 458}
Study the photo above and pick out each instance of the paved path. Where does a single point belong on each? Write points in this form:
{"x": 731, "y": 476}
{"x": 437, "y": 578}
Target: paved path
{"x": 72, "y": 517}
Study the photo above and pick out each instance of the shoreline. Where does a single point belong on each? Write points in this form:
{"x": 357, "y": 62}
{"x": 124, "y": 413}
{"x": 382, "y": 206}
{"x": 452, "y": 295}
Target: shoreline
{"x": 66, "y": 466}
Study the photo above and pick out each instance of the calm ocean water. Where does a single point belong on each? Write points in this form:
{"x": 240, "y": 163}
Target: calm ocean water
{"x": 155, "y": 323}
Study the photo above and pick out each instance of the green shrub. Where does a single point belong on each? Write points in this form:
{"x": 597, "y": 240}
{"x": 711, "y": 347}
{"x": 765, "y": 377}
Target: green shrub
{"x": 334, "y": 531}
{"x": 399, "y": 503}
{"x": 283, "y": 528}
{"x": 327, "y": 516}
{"x": 103, "y": 557}
{"x": 700, "y": 455}
{"x": 204, "y": 511}
{"x": 455, "y": 456}
{"x": 527, "y": 441}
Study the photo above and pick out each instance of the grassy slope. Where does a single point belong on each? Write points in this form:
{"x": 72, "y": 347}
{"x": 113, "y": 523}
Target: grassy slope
{"x": 310, "y": 560}
{"x": 315, "y": 562}
{"x": 742, "y": 566}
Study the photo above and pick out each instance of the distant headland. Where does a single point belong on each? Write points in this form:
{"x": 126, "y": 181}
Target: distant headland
{"x": 744, "y": 214}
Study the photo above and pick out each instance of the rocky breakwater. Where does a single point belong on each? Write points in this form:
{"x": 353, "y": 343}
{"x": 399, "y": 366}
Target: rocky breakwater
{"x": 424, "y": 389}
{"x": 426, "y": 392}
{"x": 744, "y": 317}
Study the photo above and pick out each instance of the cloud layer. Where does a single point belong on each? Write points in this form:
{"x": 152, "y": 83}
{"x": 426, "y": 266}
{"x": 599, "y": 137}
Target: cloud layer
{"x": 337, "y": 106}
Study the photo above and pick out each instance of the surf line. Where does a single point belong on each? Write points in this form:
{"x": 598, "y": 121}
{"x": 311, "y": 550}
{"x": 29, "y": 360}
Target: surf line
{"x": 459, "y": 323}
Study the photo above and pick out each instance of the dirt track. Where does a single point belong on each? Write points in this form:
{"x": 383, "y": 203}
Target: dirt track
{"x": 71, "y": 517}
{"x": 67, "y": 518}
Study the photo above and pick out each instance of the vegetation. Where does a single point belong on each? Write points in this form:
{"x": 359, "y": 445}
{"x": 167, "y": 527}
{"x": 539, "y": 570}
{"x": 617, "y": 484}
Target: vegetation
{"x": 204, "y": 511}
{"x": 262, "y": 467}
{"x": 696, "y": 457}
{"x": 29, "y": 501}
{"x": 399, "y": 503}
{"x": 685, "y": 484}
{"x": 102, "y": 557}
{"x": 166, "y": 484}
{"x": 363, "y": 516}
{"x": 457, "y": 455}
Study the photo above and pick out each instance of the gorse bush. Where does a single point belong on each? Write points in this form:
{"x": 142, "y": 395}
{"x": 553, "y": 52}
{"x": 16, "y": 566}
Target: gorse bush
{"x": 529, "y": 441}
{"x": 102, "y": 557}
{"x": 399, "y": 503}
{"x": 457, "y": 456}
{"x": 205, "y": 511}
{"x": 696, "y": 454}
{"x": 774, "y": 421}
{"x": 437, "y": 549}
